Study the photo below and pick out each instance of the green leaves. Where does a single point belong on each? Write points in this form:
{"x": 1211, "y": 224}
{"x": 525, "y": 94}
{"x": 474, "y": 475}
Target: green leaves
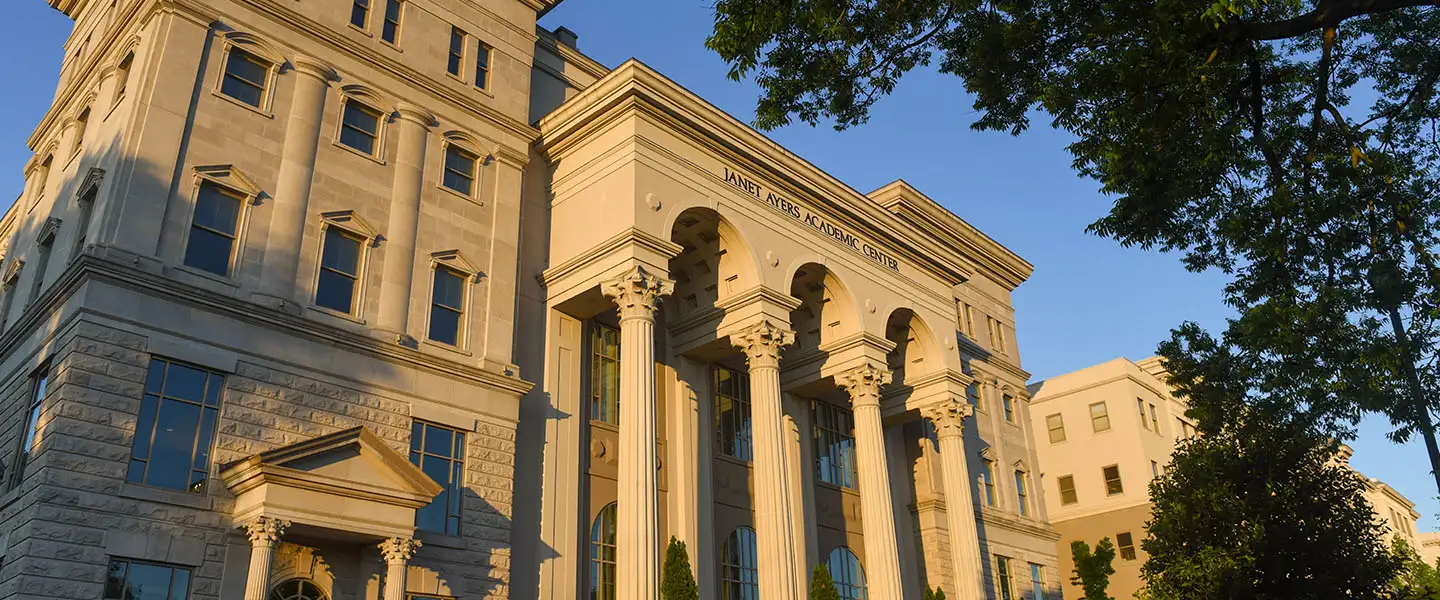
{"x": 1093, "y": 570}
{"x": 678, "y": 582}
{"x": 822, "y": 587}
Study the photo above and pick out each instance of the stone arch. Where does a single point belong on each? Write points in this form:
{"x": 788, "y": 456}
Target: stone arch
{"x": 715, "y": 263}
{"x": 369, "y": 96}
{"x": 254, "y": 44}
{"x": 917, "y": 350}
{"x": 827, "y": 311}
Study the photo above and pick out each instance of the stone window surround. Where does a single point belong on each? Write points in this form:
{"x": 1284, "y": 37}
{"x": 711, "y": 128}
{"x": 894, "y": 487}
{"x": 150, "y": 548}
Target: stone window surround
{"x": 351, "y": 223}
{"x": 454, "y": 260}
{"x": 228, "y": 178}
{"x": 369, "y": 98}
{"x": 259, "y": 48}
{"x": 472, "y": 145}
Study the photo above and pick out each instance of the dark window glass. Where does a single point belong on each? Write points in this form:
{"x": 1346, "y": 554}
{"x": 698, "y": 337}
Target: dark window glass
{"x": 987, "y": 477}
{"x": 1022, "y": 494}
{"x": 457, "y": 51}
{"x": 739, "y": 566}
{"x": 130, "y": 580}
{"x": 31, "y": 432}
{"x": 390, "y": 31}
{"x": 359, "y": 13}
{"x": 1113, "y": 485}
{"x": 213, "y": 229}
{"x": 1125, "y": 543}
{"x": 847, "y": 573}
{"x": 297, "y": 589}
{"x": 1004, "y": 582}
{"x": 245, "y": 77}
{"x": 1037, "y": 582}
{"x": 459, "y": 169}
{"x": 482, "y": 67}
{"x": 122, "y": 75}
{"x": 732, "y": 412}
{"x": 602, "y": 555}
{"x": 1056, "y": 424}
{"x": 440, "y": 453}
{"x": 1009, "y": 404}
{"x": 1067, "y": 490}
{"x": 339, "y": 270}
{"x": 447, "y": 306}
{"x": 176, "y": 428}
{"x": 360, "y": 127}
{"x": 605, "y": 374}
{"x": 834, "y": 429}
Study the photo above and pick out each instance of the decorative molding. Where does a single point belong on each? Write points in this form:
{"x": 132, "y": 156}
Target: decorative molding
{"x": 864, "y": 383}
{"x": 637, "y": 292}
{"x": 48, "y": 230}
{"x": 632, "y": 236}
{"x": 399, "y": 550}
{"x": 250, "y": 43}
{"x": 948, "y": 416}
{"x": 230, "y": 177}
{"x": 455, "y": 260}
{"x": 12, "y": 273}
{"x": 763, "y": 342}
{"x": 349, "y": 221}
{"x": 91, "y": 183}
{"x": 265, "y": 531}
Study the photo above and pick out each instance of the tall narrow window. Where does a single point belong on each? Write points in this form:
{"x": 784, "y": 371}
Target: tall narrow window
{"x": 1113, "y": 485}
{"x": 1067, "y": 490}
{"x": 967, "y": 320}
{"x": 457, "y": 52}
{"x": 605, "y": 374}
{"x": 133, "y": 580}
{"x": 122, "y": 76}
{"x": 835, "y": 445}
{"x": 1022, "y": 493}
{"x": 440, "y": 453}
{"x": 1125, "y": 543}
{"x": 459, "y": 170}
{"x": 482, "y": 66}
{"x": 739, "y": 567}
{"x": 1056, "y": 424}
{"x": 1154, "y": 469}
{"x": 82, "y": 223}
{"x": 42, "y": 262}
{"x": 360, "y": 13}
{"x": 1099, "y": 417}
{"x": 214, "y": 229}
{"x": 390, "y": 30}
{"x": 848, "y": 574}
{"x": 602, "y": 555}
{"x": 1037, "y": 582}
{"x": 447, "y": 306}
{"x": 42, "y": 177}
{"x": 1140, "y": 405}
{"x": 1154, "y": 419}
{"x": 246, "y": 77}
{"x": 360, "y": 127}
{"x": 972, "y": 393}
{"x": 1009, "y": 404}
{"x": 337, "y": 284}
{"x": 987, "y": 477}
{"x": 81, "y": 123}
{"x": 1004, "y": 579}
{"x": 31, "y": 432}
{"x": 732, "y": 412}
{"x": 176, "y": 427}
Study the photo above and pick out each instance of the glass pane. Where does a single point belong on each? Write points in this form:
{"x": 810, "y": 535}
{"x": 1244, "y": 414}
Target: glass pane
{"x": 335, "y": 291}
{"x": 341, "y": 252}
{"x": 206, "y": 434}
{"x": 248, "y": 67}
{"x": 448, "y": 289}
{"x": 357, "y": 14}
{"x": 242, "y": 90}
{"x": 174, "y": 445}
{"x": 144, "y": 427}
{"x": 136, "y": 472}
{"x": 439, "y": 441}
{"x": 444, "y": 326}
{"x": 417, "y": 435}
{"x": 363, "y": 118}
{"x": 357, "y": 140}
{"x": 216, "y": 210}
{"x": 389, "y": 32}
{"x": 208, "y": 251}
{"x": 213, "y": 390}
{"x": 460, "y": 161}
{"x": 115, "y": 580}
{"x": 184, "y": 382}
{"x": 180, "y": 587}
{"x": 431, "y": 517}
{"x": 148, "y": 582}
{"x": 458, "y": 182}
{"x": 156, "y": 377}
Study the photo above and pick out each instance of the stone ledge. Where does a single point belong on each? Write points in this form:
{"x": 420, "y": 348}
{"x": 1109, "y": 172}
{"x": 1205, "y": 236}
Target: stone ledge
{"x": 164, "y": 496}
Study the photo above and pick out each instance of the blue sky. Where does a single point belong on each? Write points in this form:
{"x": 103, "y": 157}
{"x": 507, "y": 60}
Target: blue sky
{"x": 1089, "y": 300}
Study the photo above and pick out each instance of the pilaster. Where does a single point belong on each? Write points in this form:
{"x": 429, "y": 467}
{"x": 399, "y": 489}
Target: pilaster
{"x": 397, "y": 281}
{"x": 882, "y": 557}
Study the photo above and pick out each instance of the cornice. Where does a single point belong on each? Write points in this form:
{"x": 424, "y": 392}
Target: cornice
{"x": 924, "y": 212}
{"x": 630, "y": 236}
{"x": 546, "y": 39}
{"x": 64, "y": 98}
{"x": 995, "y": 518}
{"x": 996, "y": 370}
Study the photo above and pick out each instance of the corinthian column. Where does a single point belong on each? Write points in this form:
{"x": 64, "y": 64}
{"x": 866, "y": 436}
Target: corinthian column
{"x": 779, "y": 559}
{"x": 292, "y": 185}
{"x": 882, "y": 558}
{"x": 966, "y": 568}
{"x": 399, "y": 270}
{"x": 397, "y": 552}
{"x": 264, "y": 533}
{"x": 637, "y": 507}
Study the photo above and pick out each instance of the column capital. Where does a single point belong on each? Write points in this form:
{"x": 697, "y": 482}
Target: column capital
{"x": 948, "y": 416}
{"x": 637, "y": 292}
{"x": 398, "y": 549}
{"x": 265, "y": 530}
{"x": 763, "y": 342}
{"x": 864, "y": 383}
{"x": 314, "y": 67}
{"x": 415, "y": 114}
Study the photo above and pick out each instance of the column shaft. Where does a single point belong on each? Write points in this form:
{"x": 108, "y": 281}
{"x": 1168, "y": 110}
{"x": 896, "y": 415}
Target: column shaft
{"x": 397, "y": 553}
{"x": 967, "y": 574}
{"x": 882, "y": 557}
{"x": 297, "y": 173}
{"x": 264, "y": 534}
{"x": 779, "y": 558}
{"x": 399, "y": 271}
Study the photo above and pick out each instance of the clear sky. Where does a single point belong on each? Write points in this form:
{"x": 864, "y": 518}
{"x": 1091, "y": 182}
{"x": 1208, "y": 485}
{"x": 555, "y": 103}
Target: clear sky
{"x": 1088, "y": 301}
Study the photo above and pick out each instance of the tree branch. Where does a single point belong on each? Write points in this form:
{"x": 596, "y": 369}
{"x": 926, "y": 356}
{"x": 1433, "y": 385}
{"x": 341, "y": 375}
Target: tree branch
{"x": 1328, "y": 14}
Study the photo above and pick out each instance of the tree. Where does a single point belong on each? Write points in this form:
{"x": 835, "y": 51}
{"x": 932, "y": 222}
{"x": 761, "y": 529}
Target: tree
{"x": 1093, "y": 571}
{"x": 1416, "y": 580}
{"x": 1261, "y": 508}
{"x": 678, "y": 582}
{"x": 1232, "y": 131}
{"x": 933, "y": 594}
{"x": 822, "y": 587}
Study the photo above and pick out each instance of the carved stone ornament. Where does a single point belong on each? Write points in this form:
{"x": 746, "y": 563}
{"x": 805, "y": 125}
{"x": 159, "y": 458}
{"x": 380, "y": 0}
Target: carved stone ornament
{"x": 948, "y": 416}
{"x": 265, "y": 530}
{"x": 637, "y": 292}
{"x": 397, "y": 549}
{"x": 864, "y": 383}
{"x": 763, "y": 342}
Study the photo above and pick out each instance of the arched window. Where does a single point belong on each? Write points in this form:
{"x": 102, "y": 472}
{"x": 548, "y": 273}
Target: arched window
{"x": 297, "y": 589}
{"x": 739, "y": 569}
{"x": 848, "y": 575}
{"x": 602, "y": 555}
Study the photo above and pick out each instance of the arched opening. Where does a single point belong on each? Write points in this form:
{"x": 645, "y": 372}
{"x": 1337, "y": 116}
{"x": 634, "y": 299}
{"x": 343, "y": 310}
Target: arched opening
{"x": 826, "y": 311}
{"x": 739, "y": 567}
{"x": 714, "y": 264}
{"x": 915, "y": 353}
{"x": 297, "y": 589}
{"x": 602, "y": 555}
{"x": 847, "y": 573}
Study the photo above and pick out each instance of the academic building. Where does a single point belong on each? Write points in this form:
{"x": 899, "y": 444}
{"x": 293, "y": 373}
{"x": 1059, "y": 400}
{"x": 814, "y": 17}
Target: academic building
{"x": 410, "y": 299}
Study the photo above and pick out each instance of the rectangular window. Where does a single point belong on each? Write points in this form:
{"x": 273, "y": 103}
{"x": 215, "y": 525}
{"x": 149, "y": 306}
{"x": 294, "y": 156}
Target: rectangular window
{"x": 1037, "y": 582}
{"x": 1113, "y": 486}
{"x": 457, "y": 52}
{"x": 440, "y": 453}
{"x": 176, "y": 427}
{"x": 1154, "y": 419}
{"x": 1056, "y": 424}
{"x": 1154, "y": 469}
{"x": 339, "y": 277}
{"x": 967, "y": 320}
{"x": 31, "y": 432}
{"x": 1004, "y": 582}
{"x": 1067, "y": 490}
{"x": 1140, "y": 406}
{"x": 81, "y": 122}
{"x": 82, "y": 224}
{"x": 390, "y": 30}
{"x": 459, "y": 173}
{"x": 972, "y": 392}
{"x": 42, "y": 263}
{"x": 835, "y": 445}
{"x": 360, "y": 13}
{"x": 482, "y": 66}
{"x": 1022, "y": 494}
{"x": 987, "y": 477}
{"x": 605, "y": 374}
{"x": 360, "y": 127}
{"x": 1099, "y": 417}
{"x": 1125, "y": 543}
{"x": 122, "y": 76}
{"x": 732, "y": 412}
{"x": 447, "y": 306}
{"x": 42, "y": 177}
{"x": 245, "y": 78}
{"x": 134, "y": 580}
{"x": 214, "y": 229}
{"x": 1009, "y": 404}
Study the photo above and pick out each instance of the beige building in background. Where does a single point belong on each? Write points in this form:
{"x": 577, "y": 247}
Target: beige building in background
{"x": 410, "y": 299}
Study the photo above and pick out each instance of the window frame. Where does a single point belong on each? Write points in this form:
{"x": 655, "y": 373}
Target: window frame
{"x": 596, "y": 584}
{"x": 1007, "y": 404}
{"x": 1022, "y": 492}
{"x": 1125, "y": 551}
{"x": 451, "y": 260}
{"x": 459, "y": 441}
{"x": 989, "y": 489}
{"x": 363, "y": 103}
{"x": 399, "y": 22}
{"x": 458, "y": 59}
{"x": 1037, "y": 581}
{"x": 1119, "y": 488}
{"x": 189, "y": 575}
{"x": 262, "y": 52}
{"x": 81, "y": 123}
{"x": 1094, "y": 420}
{"x": 29, "y": 435}
{"x": 369, "y": 8}
{"x": 453, "y": 143}
{"x": 744, "y": 432}
{"x": 350, "y": 224}
{"x": 845, "y": 584}
{"x": 827, "y": 429}
{"x": 594, "y": 358}
{"x": 230, "y": 182}
{"x": 1060, "y": 487}
{"x": 740, "y": 569}
{"x": 485, "y": 52}
{"x": 1155, "y": 419}
{"x": 161, "y": 397}
{"x": 1051, "y": 428}
{"x": 123, "y": 69}
{"x": 1004, "y": 578}
{"x": 1140, "y": 405}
